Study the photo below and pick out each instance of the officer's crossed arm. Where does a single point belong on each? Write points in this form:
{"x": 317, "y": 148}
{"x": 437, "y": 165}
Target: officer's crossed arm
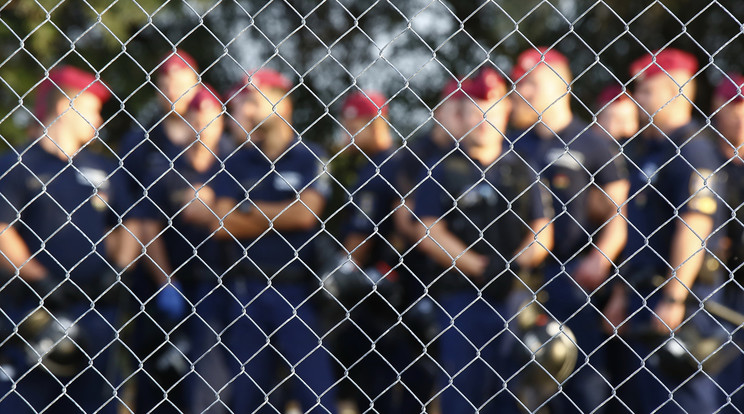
{"x": 156, "y": 261}
{"x": 295, "y": 215}
{"x": 595, "y": 267}
{"x": 359, "y": 247}
{"x": 687, "y": 251}
{"x": 686, "y": 258}
{"x": 292, "y": 215}
{"x": 124, "y": 243}
{"x": 536, "y": 244}
{"x": 446, "y": 249}
{"x": 16, "y": 255}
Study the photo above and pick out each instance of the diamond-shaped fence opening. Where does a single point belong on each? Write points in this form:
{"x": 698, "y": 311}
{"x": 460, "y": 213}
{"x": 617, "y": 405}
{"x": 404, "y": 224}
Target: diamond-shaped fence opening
{"x": 419, "y": 206}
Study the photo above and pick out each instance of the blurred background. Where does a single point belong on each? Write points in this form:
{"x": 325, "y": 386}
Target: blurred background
{"x": 406, "y": 49}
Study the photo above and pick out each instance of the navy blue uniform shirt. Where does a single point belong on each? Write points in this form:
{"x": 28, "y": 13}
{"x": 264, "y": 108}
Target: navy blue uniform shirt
{"x": 374, "y": 194}
{"x": 663, "y": 186}
{"x": 498, "y": 201}
{"x": 192, "y": 250}
{"x": 252, "y": 177}
{"x": 141, "y": 153}
{"x": 144, "y": 155}
{"x": 69, "y": 208}
{"x": 732, "y": 212}
{"x": 413, "y": 160}
{"x": 415, "y": 156}
{"x": 590, "y": 161}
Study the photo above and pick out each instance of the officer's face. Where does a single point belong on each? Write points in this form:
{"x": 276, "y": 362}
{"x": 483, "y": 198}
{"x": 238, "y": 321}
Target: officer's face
{"x": 619, "y": 119}
{"x": 730, "y": 122}
{"x": 241, "y": 111}
{"x": 537, "y": 92}
{"x": 82, "y": 116}
{"x": 177, "y": 87}
{"x": 448, "y": 115}
{"x": 659, "y": 95}
{"x": 359, "y": 130}
{"x": 267, "y": 107}
{"x": 485, "y": 121}
{"x": 207, "y": 123}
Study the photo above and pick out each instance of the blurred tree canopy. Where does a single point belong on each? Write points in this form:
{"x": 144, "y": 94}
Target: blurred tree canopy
{"x": 405, "y": 48}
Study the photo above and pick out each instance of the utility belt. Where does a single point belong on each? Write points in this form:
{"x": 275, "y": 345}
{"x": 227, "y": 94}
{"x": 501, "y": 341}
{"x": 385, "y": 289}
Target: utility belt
{"x": 494, "y": 287}
{"x": 735, "y": 262}
{"x": 273, "y": 273}
{"x": 648, "y": 278}
{"x": 103, "y": 291}
{"x": 196, "y": 275}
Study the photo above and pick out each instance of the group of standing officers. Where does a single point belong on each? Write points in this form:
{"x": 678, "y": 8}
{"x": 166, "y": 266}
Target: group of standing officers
{"x": 194, "y": 274}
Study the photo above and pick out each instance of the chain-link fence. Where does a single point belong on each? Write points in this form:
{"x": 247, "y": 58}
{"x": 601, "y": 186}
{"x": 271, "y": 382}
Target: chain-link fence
{"x": 371, "y": 207}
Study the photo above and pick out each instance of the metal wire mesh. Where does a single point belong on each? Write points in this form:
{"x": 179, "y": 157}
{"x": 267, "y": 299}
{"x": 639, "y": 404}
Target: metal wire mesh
{"x": 382, "y": 207}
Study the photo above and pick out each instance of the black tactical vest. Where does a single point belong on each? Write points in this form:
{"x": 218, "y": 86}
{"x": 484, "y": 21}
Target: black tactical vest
{"x": 490, "y": 213}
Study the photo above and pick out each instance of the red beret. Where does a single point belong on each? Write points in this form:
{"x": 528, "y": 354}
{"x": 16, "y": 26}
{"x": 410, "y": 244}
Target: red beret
{"x": 235, "y": 90}
{"x": 72, "y": 79}
{"x": 485, "y": 85}
{"x": 364, "y": 104}
{"x": 531, "y": 58}
{"x": 452, "y": 90}
{"x": 264, "y": 79}
{"x": 204, "y": 93}
{"x": 611, "y": 93}
{"x": 666, "y": 60}
{"x": 730, "y": 88}
{"x": 178, "y": 60}
{"x": 456, "y": 89}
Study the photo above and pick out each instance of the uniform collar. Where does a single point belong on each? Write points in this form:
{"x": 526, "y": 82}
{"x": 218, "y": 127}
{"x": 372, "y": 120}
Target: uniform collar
{"x": 677, "y": 136}
{"x": 684, "y": 132}
{"x": 572, "y": 130}
{"x": 35, "y": 148}
{"x": 255, "y": 151}
{"x": 380, "y": 157}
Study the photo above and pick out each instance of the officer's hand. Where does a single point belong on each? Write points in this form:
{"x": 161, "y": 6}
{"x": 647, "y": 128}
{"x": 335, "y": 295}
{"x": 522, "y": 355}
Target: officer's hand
{"x": 615, "y": 311}
{"x": 55, "y": 295}
{"x": 200, "y": 207}
{"x": 473, "y": 265}
{"x": 170, "y": 301}
{"x": 592, "y": 271}
{"x": 499, "y": 280}
{"x": 669, "y": 315}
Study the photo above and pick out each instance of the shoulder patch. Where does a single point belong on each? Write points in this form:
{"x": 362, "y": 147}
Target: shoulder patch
{"x": 93, "y": 177}
{"x": 702, "y": 198}
{"x": 572, "y": 159}
{"x": 456, "y": 165}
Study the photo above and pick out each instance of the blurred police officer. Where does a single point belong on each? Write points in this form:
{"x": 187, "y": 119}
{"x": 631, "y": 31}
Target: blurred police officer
{"x": 617, "y": 114}
{"x": 571, "y": 161}
{"x": 177, "y": 84}
{"x": 617, "y": 119}
{"x": 145, "y": 149}
{"x": 419, "y": 313}
{"x": 239, "y": 120}
{"x": 186, "y": 257}
{"x": 673, "y": 211}
{"x": 483, "y": 220}
{"x": 267, "y": 210}
{"x": 446, "y": 131}
{"x": 59, "y": 203}
{"x": 369, "y": 235}
{"x": 728, "y": 119}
